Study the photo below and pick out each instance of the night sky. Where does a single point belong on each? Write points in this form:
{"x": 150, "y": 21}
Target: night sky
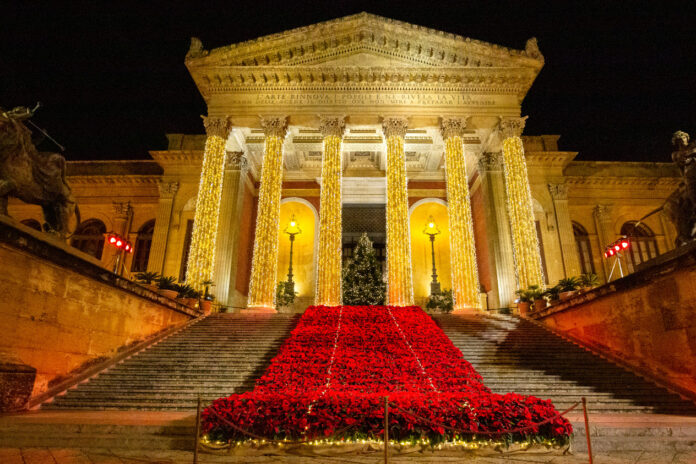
{"x": 619, "y": 78}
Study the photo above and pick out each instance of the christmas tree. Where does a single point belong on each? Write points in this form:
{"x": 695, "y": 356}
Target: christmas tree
{"x": 362, "y": 276}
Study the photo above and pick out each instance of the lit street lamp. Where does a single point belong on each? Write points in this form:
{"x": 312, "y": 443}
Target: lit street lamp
{"x": 431, "y": 230}
{"x": 292, "y": 229}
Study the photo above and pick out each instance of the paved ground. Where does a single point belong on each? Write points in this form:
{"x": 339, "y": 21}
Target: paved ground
{"x": 105, "y": 456}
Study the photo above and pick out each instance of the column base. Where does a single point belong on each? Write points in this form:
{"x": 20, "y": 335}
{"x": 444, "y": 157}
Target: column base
{"x": 258, "y": 310}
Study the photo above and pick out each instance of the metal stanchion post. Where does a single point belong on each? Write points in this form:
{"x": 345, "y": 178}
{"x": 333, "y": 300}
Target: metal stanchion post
{"x": 587, "y": 428}
{"x": 386, "y": 430}
{"x": 198, "y": 431}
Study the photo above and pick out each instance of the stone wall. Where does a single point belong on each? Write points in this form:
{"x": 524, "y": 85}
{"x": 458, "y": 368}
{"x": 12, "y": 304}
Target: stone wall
{"x": 647, "y": 319}
{"x": 61, "y": 310}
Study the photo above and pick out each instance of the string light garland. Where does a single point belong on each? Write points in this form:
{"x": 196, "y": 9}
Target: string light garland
{"x": 465, "y": 281}
{"x": 265, "y": 261}
{"x": 525, "y": 244}
{"x": 201, "y": 260}
{"x": 399, "y": 270}
{"x": 329, "y": 260}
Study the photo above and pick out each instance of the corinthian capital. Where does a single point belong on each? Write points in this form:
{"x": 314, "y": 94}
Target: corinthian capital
{"x": 236, "y": 160}
{"x": 167, "y": 189}
{"x": 489, "y": 161}
{"x": 559, "y": 191}
{"x": 220, "y": 127}
{"x": 332, "y": 125}
{"x": 274, "y": 126}
{"x": 394, "y": 126}
{"x": 452, "y": 127}
{"x": 512, "y": 127}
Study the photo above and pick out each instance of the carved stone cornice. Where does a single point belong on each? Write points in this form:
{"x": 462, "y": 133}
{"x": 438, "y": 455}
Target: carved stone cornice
{"x": 113, "y": 180}
{"x": 512, "y": 127}
{"x": 490, "y": 161}
{"x": 558, "y": 191}
{"x": 394, "y": 126}
{"x": 236, "y": 161}
{"x": 167, "y": 189}
{"x": 214, "y": 126}
{"x": 332, "y": 125}
{"x": 452, "y": 127}
{"x": 274, "y": 126}
{"x": 651, "y": 183}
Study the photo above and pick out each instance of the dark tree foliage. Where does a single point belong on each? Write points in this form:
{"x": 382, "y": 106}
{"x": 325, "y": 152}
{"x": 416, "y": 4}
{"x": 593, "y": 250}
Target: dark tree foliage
{"x": 362, "y": 276}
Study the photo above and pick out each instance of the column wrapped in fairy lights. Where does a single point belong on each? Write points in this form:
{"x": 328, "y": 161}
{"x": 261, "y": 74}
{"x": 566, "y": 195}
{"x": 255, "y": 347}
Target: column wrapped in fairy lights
{"x": 525, "y": 245}
{"x": 399, "y": 271}
{"x": 329, "y": 265}
{"x": 465, "y": 281}
{"x": 201, "y": 260}
{"x": 264, "y": 265}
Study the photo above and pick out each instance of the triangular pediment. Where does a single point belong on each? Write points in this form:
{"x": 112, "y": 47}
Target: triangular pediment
{"x": 364, "y": 40}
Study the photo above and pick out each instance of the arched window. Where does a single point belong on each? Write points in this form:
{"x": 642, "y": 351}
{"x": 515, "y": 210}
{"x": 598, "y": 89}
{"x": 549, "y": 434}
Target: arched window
{"x": 143, "y": 243}
{"x": 33, "y": 223}
{"x": 643, "y": 244}
{"x": 582, "y": 240}
{"x": 89, "y": 237}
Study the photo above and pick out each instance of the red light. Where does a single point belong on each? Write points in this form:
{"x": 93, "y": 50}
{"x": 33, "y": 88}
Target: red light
{"x": 128, "y": 247}
{"x": 617, "y": 247}
{"x": 624, "y": 244}
{"x": 112, "y": 239}
{"x": 611, "y": 252}
{"x": 119, "y": 243}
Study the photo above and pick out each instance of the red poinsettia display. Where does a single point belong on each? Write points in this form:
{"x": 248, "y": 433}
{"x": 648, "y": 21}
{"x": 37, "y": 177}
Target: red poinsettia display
{"x": 331, "y": 376}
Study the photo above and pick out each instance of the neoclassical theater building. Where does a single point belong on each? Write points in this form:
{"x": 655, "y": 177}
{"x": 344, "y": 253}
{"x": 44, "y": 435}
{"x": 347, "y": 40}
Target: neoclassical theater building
{"x": 366, "y": 124}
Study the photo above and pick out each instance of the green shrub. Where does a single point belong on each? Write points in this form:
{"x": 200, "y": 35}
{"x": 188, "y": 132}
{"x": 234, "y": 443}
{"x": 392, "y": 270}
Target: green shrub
{"x": 284, "y": 295}
{"x": 443, "y": 301}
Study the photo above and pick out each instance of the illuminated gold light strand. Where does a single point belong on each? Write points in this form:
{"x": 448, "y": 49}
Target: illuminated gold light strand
{"x": 526, "y": 253}
{"x": 329, "y": 263}
{"x": 201, "y": 260}
{"x": 465, "y": 281}
{"x": 265, "y": 261}
{"x": 399, "y": 270}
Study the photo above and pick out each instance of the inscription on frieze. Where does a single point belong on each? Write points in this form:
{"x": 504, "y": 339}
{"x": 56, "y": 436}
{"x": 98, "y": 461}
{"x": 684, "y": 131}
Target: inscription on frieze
{"x": 361, "y": 99}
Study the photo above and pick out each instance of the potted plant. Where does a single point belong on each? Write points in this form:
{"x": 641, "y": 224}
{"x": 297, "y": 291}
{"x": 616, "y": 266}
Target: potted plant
{"x": 589, "y": 280}
{"x": 167, "y": 286}
{"x": 186, "y": 294}
{"x": 536, "y": 293}
{"x": 285, "y": 297}
{"x": 149, "y": 279}
{"x": 524, "y": 301}
{"x": 442, "y": 301}
{"x": 553, "y": 294}
{"x": 568, "y": 287}
{"x": 206, "y": 302}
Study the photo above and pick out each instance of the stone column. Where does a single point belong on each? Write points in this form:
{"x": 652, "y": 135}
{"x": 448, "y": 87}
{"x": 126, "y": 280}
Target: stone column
{"x": 525, "y": 245}
{"x": 160, "y": 236}
{"x": 490, "y": 167}
{"x": 329, "y": 263}
{"x": 265, "y": 261}
{"x": 465, "y": 281}
{"x": 566, "y": 237}
{"x": 201, "y": 260}
{"x": 399, "y": 272}
{"x": 228, "y": 229}
{"x": 605, "y": 231}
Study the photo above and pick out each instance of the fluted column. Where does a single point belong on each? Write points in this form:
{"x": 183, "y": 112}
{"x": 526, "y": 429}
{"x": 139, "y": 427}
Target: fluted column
{"x": 465, "y": 281}
{"x": 399, "y": 272}
{"x": 329, "y": 278}
{"x": 490, "y": 167}
{"x": 528, "y": 267}
{"x": 571, "y": 263}
{"x": 201, "y": 260}
{"x": 265, "y": 261}
{"x": 163, "y": 219}
{"x": 228, "y": 229}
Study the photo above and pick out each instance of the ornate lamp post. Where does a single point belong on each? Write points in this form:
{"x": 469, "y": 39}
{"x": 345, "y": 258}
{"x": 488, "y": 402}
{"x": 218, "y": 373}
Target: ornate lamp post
{"x": 432, "y": 230}
{"x": 292, "y": 229}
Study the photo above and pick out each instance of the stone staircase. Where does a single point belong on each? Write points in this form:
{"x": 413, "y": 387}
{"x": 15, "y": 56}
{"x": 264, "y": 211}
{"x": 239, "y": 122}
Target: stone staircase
{"x": 627, "y": 412}
{"x": 220, "y": 355}
{"x": 515, "y": 355}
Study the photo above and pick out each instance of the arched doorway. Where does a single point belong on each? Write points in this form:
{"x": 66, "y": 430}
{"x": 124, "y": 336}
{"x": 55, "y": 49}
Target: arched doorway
{"x": 89, "y": 237}
{"x": 303, "y": 250}
{"x": 420, "y": 215}
{"x": 143, "y": 243}
{"x": 643, "y": 244}
{"x": 582, "y": 240}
